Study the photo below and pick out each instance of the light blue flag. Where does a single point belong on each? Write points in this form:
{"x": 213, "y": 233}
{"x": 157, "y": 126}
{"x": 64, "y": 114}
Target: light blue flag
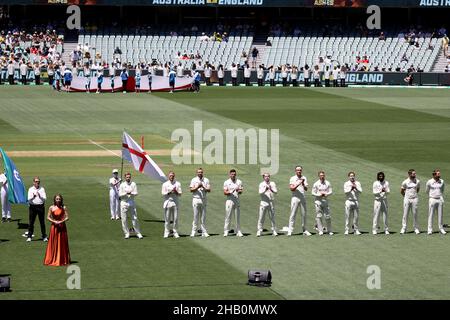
{"x": 16, "y": 189}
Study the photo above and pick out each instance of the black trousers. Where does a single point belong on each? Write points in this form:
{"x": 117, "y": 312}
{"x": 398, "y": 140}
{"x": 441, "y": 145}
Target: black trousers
{"x": 234, "y": 81}
{"x": 124, "y": 85}
{"x": 272, "y": 82}
{"x": 11, "y": 79}
{"x": 294, "y": 83}
{"x": 247, "y": 81}
{"x": 36, "y": 210}
{"x": 284, "y": 81}
{"x": 307, "y": 84}
{"x": 208, "y": 81}
{"x": 335, "y": 83}
{"x": 24, "y": 80}
{"x": 327, "y": 82}
{"x": 221, "y": 82}
{"x": 342, "y": 82}
{"x": 37, "y": 80}
{"x": 260, "y": 82}
{"x": 50, "y": 80}
{"x": 317, "y": 83}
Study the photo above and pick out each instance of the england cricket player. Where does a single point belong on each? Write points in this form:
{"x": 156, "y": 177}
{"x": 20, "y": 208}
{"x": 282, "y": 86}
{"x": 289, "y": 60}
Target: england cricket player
{"x": 352, "y": 190}
{"x": 199, "y": 187}
{"x": 114, "y": 201}
{"x": 267, "y": 191}
{"x": 435, "y": 190}
{"x": 127, "y": 193}
{"x": 232, "y": 188}
{"x": 321, "y": 190}
{"x": 380, "y": 191}
{"x": 6, "y": 206}
{"x": 171, "y": 190}
{"x": 409, "y": 190}
{"x": 298, "y": 185}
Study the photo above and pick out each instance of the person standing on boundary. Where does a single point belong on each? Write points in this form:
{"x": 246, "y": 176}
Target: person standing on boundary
{"x": 114, "y": 199}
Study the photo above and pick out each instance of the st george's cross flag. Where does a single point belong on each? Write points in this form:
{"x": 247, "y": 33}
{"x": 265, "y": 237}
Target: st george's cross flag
{"x": 141, "y": 161}
{"x": 16, "y": 189}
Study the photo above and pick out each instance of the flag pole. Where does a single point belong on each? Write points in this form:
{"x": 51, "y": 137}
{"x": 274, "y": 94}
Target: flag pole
{"x": 121, "y": 167}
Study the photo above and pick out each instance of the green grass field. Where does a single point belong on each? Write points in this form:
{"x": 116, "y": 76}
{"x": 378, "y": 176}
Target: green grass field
{"x": 338, "y": 130}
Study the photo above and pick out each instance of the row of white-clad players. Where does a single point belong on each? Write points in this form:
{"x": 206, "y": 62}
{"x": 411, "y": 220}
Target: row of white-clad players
{"x": 233, "y": 187}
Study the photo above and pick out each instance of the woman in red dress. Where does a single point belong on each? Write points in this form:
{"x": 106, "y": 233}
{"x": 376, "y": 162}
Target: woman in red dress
{"x": 57, "y": 253}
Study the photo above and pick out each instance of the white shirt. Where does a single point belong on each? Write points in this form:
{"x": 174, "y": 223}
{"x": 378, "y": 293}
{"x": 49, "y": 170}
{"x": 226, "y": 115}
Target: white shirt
{"x": 294, "y": 75}
{"x": 343, "y": 75}
{"x": 200, "y": 193}
{"x": 284, "y": 73}
{"x": 232, "y": 187}
{"x": 126, "y": 188}
{"x": 411, "y": 188}
{"x": 260, "y": 73}
{"x": 247, "y": 72}
{"x": 378, "y": 187}
{"x": 320, "y": 188}
{"x": 10, "y": 69}
{"x": 435, "y": 189}
{"x": 267, "y": 195}
{"x": 316, "y": 74}
{"x": 327, "y": 74}
{"x": 207, "y": 72}
{"x": 300, "y": 191}
{"x": 352, "y": 195}
{"x": 220, "y": 73}
{"x": 36, "y": 196}
{"x": 335, "y": 74}
{"x": 306, "y": 73}
{"x": 3, "y": 181}
{"x": 114, "y": 185}
{"x": 271, "y": 74}
{"x": 23, "y": 69}
{"x": 233, "y": 72}
{"x": 170, "y": 197}
{"x": 37, "y": 71}
{"x": 179, "y": 71}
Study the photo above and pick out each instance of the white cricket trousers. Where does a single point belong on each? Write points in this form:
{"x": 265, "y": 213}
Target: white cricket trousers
{"x": 380, "y": 206}
{"x": 295, "y": 203}
{"x": 114, "y": 204}
{"x": 199, "y": 207}
{"x": 322, "y": 211}
{"x": 170, "y": 213}
{"x": 270, "y": 209}
{"x": 410, "y": 204}
{"x": 351, "y": 209}
{"x": 125, "y": 208}
{"x": 231, "y": 206}
{"x": 435, "y": 205}
{"x": 6, "y": 206}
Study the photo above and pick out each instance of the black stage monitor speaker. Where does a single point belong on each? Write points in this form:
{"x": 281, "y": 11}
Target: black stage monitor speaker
{"x": 261, "y": 278}
{"x": 4, "y": 284}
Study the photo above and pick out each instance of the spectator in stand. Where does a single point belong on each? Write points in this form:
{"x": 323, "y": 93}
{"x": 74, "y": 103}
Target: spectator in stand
{"x": 204, "y": 37}
{"x": 382, "y": 36}
{"x": 255, "y": 55}
{"x": 225, "y": 37}
{"x": 343, "y": 75}
{"x": 445, "y": 42}
{"x": 11, "y": 70}
{"x": 244, "y": 54}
